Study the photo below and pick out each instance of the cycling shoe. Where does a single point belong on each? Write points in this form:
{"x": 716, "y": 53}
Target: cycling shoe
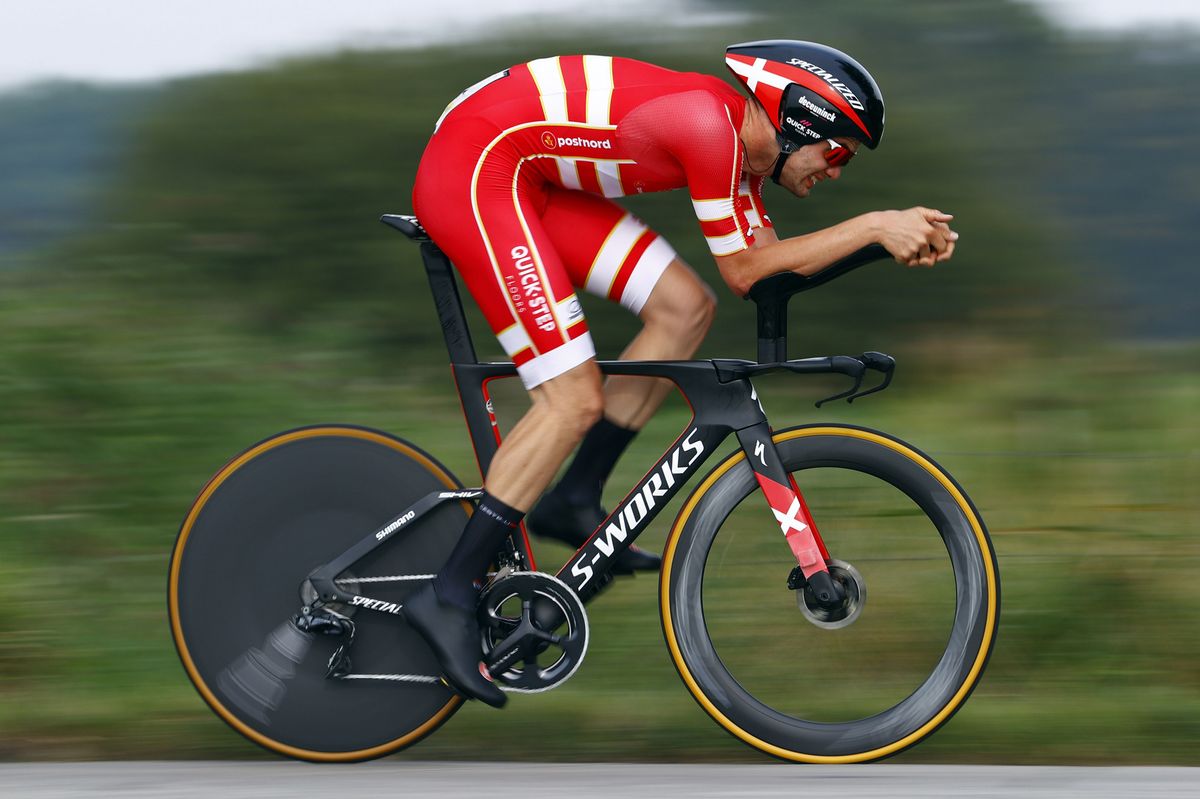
{"x": 453, "y": 635}
{"x": 554, "y": 517}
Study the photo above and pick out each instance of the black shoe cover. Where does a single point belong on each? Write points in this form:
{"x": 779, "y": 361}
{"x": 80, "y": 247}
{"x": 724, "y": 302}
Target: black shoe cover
{"x": 453, "y": 635}
{"x": 553, "y": 517}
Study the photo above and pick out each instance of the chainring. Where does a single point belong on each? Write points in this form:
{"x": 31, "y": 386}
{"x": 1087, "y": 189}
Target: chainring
{"x": 534, "y": 630}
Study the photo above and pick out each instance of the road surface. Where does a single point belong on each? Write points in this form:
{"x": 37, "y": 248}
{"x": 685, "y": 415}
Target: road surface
{"x": 192, "y": 780}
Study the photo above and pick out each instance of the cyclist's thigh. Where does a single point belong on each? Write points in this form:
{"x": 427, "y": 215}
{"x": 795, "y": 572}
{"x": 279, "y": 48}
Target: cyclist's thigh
{"x": 680, "y": 297}
{"x": 607, "y": 250}
{"x": 494, "y": 236}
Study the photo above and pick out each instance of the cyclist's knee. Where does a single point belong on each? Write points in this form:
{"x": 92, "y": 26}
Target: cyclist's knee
{"x": 574, "y": 399}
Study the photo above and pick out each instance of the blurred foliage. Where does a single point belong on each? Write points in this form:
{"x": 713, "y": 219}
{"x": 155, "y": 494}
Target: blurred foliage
{"x": 60, "y": 144}
{"x": 233, "y": 282}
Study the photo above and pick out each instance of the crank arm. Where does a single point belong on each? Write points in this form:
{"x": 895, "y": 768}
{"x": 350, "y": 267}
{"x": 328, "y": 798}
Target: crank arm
{"x": 506, "y": 653}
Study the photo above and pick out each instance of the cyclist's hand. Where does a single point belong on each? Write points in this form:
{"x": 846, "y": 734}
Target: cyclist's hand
{"x": 918, "y": 236}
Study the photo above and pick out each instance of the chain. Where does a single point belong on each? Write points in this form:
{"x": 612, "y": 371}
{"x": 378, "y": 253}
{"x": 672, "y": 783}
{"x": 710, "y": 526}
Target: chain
{"x": 393, "y": 678}
{"x": 395, "y": 578}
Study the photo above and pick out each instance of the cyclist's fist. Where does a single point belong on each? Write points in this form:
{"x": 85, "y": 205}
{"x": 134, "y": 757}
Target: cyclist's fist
{"x": 917, "y": 236}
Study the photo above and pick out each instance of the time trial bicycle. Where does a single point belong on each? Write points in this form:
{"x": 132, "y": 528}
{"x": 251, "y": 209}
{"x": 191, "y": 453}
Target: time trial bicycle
{"x": 288, "y": 578}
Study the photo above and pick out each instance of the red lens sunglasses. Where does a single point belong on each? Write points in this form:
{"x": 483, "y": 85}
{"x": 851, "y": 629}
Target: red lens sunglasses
{"x": 838, "y": 154}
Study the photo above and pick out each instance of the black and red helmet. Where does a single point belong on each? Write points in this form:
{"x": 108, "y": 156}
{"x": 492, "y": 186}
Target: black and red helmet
{"x": 811, "y": 92}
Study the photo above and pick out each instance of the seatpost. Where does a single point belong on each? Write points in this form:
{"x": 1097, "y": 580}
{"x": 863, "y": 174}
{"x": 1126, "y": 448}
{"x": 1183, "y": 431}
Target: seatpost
{"x": 448, "y": 303}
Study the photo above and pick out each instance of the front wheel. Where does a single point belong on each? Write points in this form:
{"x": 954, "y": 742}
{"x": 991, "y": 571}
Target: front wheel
{"x": 883, "y": 674}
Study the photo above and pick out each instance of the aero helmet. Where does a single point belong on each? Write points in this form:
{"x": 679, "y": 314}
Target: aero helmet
{"x": 811, "y": 92}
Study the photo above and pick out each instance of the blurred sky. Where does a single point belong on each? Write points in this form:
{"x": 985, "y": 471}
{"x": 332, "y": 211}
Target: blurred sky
{"x": 135, "y": 40}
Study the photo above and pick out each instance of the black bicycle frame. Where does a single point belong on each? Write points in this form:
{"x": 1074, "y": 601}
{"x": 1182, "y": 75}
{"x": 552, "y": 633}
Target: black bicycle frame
{"x": 719, "y": 392}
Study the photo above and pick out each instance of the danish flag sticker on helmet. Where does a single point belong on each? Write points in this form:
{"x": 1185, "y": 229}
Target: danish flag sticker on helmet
{"x": 810, "y": 91}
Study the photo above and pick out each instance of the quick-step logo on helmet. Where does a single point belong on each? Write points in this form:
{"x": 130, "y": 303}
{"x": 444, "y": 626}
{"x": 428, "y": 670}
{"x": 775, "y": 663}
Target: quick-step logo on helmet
{"x": 802, "y": 126}
{"x": 828, "y": 77}
{"x": 640, "y": 504}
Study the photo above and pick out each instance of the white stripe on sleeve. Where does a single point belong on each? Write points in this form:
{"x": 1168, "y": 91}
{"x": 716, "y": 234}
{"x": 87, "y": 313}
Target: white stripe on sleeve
{"x": 598, "y": 72}
{"x": 607, "y": 172}
{"x": 726, "y": 245}
{"x": 547, "y": 74}
{"x": 568, "y": 172}
{"x": 713, "y": 210}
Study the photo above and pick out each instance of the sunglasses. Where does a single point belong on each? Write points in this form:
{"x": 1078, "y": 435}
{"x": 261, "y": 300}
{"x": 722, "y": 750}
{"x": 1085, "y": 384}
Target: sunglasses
{"x": 836, "y": 155}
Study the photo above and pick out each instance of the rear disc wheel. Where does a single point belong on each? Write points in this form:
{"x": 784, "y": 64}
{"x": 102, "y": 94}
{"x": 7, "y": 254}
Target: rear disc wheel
{"x": 260, "y": 526}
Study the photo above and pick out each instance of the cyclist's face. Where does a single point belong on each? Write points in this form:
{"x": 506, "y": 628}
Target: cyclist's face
{"x": 808, "y": 166}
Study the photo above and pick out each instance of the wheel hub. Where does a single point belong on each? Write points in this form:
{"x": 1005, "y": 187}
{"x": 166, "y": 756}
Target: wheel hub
{"x": 840, "y": 614}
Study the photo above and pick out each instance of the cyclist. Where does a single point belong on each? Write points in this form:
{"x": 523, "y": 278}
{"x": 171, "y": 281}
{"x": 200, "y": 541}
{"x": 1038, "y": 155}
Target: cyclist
{"x": 515, "y": 186}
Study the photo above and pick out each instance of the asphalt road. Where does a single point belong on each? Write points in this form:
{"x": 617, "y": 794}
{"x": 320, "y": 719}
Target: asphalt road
{"x": 583, "y": 781}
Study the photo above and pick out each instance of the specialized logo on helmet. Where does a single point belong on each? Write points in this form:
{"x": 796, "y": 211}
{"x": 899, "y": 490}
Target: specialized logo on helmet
{"x": 548, "y": 140}
{"x": 829, "y": 78}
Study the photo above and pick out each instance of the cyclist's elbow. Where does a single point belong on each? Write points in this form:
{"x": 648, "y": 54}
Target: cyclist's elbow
{"x": 740, "y": 270}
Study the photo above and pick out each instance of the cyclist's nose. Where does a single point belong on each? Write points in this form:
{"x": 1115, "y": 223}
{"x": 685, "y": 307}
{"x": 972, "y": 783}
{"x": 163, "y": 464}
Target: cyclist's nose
{"x": 833, "y": 172}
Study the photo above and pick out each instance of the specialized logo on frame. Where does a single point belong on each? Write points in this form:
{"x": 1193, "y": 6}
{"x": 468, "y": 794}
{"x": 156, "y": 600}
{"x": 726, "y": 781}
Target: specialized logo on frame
{"x": 644, "y": 500}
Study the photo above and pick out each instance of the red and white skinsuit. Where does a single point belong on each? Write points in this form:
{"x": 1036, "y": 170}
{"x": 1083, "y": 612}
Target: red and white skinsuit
{"x": 513, "y": 186}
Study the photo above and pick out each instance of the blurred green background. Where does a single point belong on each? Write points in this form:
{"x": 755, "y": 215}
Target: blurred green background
{"x": 188, "y": 267}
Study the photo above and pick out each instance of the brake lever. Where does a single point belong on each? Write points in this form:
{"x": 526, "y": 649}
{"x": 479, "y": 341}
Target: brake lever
{"x": 880, "y": 362}
{"x": 858, "y": 379}
{"x": 876, "y": 361}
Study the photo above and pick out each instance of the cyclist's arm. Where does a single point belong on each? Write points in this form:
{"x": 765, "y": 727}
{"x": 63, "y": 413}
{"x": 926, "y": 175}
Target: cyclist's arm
{"x": 805, "y": 254}
{"x": 914, "y": 237}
